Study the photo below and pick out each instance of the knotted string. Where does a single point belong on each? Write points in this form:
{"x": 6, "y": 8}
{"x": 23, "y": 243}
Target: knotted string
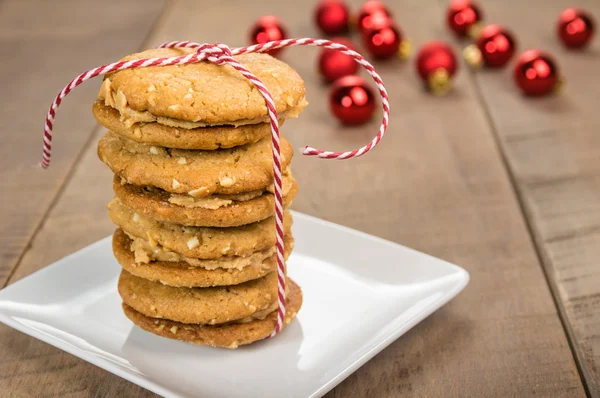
{"x": 220, "y": 54}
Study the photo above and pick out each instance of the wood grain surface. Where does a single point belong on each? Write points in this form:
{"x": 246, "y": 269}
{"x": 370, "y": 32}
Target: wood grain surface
{"x": 438, "y": 183}
{"x": 45, "y": 44}
{"x": 552, "y": 148}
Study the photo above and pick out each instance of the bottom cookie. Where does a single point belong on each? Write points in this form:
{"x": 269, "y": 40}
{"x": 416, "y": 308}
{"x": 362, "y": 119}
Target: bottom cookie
{"x": 229, "y": 335}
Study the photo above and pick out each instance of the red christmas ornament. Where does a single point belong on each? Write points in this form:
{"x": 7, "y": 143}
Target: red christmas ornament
{"x": 266, "y": 29}
{"x": 335, "y": 64}
{"x": 436, "y": 64}
{"x": 494, "y": 47}
{"x": 371, "y": 14}
{"x": 463, "y": 17}
{"x": 575, "y": 28}
{"x": 352, "y": 100}
{"x": 536, "y": 73}
{"x": 332, "y": 17}
{"x": 385, "y": 41}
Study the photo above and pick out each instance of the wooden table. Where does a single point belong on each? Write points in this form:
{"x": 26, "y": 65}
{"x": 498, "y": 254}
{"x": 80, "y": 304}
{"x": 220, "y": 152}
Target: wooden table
{"x": 507, "y": 187}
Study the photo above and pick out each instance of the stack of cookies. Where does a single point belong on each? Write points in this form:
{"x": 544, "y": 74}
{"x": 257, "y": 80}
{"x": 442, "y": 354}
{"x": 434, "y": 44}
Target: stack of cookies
{"x": 190, "y": 148}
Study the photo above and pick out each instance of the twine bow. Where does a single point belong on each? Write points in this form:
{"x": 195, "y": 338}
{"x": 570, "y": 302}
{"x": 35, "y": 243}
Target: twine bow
{"x": 220, "y": 54}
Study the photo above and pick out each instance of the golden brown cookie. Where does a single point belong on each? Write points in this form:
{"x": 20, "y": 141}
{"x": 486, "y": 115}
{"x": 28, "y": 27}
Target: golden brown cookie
{"x": 155, "y": 204}
{"x": 199, "y": 242}
{"x": 207, "y": 305}
{"x": 201, "y": 93}
{"x": 230, "y": 335}
{"x": 207, "y": 138}
{"x": 195, "y": 173}
{"x": 180, "y": 273}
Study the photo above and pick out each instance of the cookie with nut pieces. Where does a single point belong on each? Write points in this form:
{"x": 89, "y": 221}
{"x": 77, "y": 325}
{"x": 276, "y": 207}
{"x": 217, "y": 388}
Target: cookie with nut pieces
{"x": 201, "y": 94}
{"x": 161, "y": 206}
{"x": 230, "y": 335}
{"x": 196, "y": 173}
{"x": 206, "y": 138}
{"x": 208, "y": 305}
{"x": 198, "y": 242}
{"x": 182, "y": 272}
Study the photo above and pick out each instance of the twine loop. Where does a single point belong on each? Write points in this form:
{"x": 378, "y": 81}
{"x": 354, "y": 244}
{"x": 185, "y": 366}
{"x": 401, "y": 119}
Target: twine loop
{"x": 219, "y": 51}
{"x": 220, "y": 54}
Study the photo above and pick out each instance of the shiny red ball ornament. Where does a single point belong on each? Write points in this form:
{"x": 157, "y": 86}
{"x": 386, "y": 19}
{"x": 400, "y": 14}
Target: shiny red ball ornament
{"x": 351, "y": 100}
{"x": 332, "y": 17}
{"x": 436, "y": 65}
{"x": 575, "y": 28}
{"x": 385, "y": 41}
{"x": 536, "y": 73}
{"x": 334, "y": 64}
{"x": 371, "y": 14}
{"x": 494, "y": 47}
{"x": 463, "y": 17}
{"x": 266, "y": 29}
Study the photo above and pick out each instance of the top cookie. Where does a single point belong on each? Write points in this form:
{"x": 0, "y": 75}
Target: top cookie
{"x": 201, "y": 94}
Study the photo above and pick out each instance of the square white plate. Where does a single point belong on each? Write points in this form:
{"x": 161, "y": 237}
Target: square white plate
{"x": 360, "y": 294}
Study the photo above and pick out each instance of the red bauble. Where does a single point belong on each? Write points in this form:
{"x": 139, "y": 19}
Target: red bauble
{"x": 575, "y": 28}
{"x": 536, "y": 73}
{"x": 332, "y": 17}
{"x": 266, "y": 29}
{"x": 352, "y": 100}
{"x": 383, "y": 41}
{"x": 436, "y": 65}
{"x": 462, "y": 16}
{"x": 334, "y": 64}
{"x": 494, "y": 47}
{"x": 371, "y": 14}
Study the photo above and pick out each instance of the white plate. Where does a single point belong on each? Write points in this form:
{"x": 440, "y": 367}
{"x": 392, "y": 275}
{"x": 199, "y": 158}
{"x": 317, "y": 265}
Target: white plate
{"x": 360, "y": 294}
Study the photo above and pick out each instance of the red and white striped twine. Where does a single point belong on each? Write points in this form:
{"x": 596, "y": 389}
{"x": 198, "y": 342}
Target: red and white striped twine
{"x": 220, "y": 54}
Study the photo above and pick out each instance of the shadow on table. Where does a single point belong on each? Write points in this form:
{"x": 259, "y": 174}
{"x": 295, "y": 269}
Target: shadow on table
{"x": 193, "y": 370}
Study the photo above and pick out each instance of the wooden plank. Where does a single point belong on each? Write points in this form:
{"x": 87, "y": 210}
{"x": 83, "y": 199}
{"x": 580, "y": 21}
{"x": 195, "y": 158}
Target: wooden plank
{"x": 29, "y": 366}
{"x": 552, "y": 148}
{"x": 45, "y": 45}
{"x": 437, "y": 184}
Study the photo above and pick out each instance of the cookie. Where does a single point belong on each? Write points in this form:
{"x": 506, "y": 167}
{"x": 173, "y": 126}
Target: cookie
{"x": 180, "y": 273}
{"x": 206, "y": 138}
{"x": 195, "y": 173}
{"x": 155, "y": 204}
{"x": 230, "y": 335}
{"x": 201, "y": 94}
{"x": 199, "y": 242}
{"x": 208, "y": 305}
